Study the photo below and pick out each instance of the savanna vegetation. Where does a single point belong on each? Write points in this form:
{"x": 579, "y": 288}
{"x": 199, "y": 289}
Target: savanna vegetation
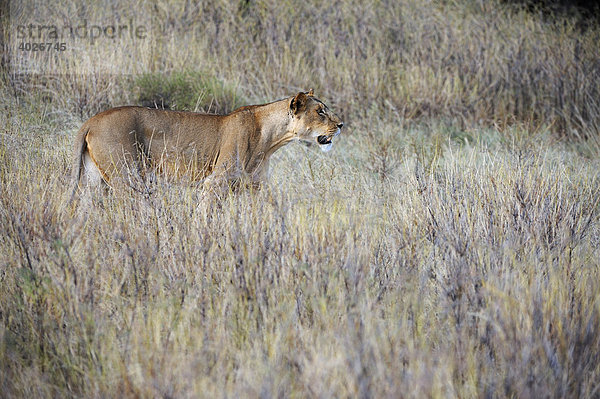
{"x": 448, "y": 246}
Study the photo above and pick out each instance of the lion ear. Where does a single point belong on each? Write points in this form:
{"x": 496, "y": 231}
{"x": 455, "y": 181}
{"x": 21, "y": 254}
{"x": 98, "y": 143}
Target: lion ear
{"x": 298, "y": 102}
{"x": 310, "y": 93}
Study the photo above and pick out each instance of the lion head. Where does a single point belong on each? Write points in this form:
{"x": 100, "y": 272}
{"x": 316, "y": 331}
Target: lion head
{"x": 313, "y": 121}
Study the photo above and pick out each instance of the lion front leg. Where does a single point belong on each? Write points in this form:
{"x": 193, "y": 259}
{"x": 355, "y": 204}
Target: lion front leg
{"x": 223, "y": 179}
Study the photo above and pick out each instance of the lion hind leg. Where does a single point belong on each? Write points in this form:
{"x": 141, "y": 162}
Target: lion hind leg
{"x": 92, "y": 176}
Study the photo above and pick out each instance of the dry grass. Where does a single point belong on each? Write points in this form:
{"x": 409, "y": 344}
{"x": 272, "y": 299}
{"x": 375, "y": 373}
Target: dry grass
{"x": 470, "y": 62}
{"x": 424, "y": 259}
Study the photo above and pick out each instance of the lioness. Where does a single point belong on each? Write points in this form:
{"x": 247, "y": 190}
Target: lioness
{"x": 195, "y": 144}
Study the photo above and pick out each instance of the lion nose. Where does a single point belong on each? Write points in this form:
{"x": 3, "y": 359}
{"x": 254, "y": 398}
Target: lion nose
{"x": 340, "y": 125}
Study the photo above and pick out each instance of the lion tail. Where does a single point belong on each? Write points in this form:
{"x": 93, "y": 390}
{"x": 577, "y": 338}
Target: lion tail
{"x": 77, "y": 164}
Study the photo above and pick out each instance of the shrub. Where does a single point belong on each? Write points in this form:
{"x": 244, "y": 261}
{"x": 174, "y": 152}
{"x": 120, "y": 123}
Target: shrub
{"x": 187, "y": 91}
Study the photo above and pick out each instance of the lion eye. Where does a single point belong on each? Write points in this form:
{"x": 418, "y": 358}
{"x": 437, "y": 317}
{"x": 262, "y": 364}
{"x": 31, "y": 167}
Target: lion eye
{"x": 321, "y": 111}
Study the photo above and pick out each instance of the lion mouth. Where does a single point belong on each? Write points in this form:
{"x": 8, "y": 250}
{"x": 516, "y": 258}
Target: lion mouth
{"x": 323, "y": 140}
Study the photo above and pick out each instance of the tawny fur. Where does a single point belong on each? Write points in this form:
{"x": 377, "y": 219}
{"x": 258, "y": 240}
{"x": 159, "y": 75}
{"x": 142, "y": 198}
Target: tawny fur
{"x": 197, "y": 145}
